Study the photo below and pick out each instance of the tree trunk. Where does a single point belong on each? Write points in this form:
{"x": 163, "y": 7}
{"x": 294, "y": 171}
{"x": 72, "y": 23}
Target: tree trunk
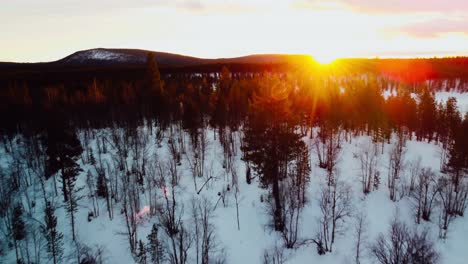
{"x": 279, "y": 225}
{"x": 64, "y": 188}
{"x": 72, "y": 216}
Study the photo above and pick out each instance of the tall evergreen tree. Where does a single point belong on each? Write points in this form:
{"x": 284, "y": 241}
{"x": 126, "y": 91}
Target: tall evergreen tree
{"x": 153, "y": 74}
{"x": 63, "y": 151}
{"x": 91, "y": 158}
{"x": 71, "y": 204}
{"x": 154, "y": 85}
{"x": 52, "y": 235}
{"x": 18, "y": 229}
{"x": 427, "y": 114}
{"x": 141, "y": 255}
{"x": 458, "y": 153}
{"x": 101, "y": 186}
{"x": 155, "y": 247}
{"x": 271, "y": 142}
{"x": 220, "y": 111}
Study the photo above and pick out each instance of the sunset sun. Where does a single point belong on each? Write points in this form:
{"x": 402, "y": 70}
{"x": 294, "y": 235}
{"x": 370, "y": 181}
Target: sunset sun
{"x": 324, "y": 58}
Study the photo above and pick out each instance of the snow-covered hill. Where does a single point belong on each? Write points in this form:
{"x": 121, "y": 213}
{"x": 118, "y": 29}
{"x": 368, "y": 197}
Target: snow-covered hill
{"x": 104, "y": 56}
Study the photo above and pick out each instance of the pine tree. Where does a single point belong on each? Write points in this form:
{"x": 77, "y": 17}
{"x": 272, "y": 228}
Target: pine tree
{"x": 70, "y": 173}
{"x": 452, "y": 116}
{"x": 141, "y": 255}
{"x": 220, "y": 111}
{"x": 104, "y": 146}
{"x": 155, "y": 247}
{"x": 154, "y": 88}
{"x": 63, "y": 150}
{"x": 427, "y": 113}
{"x": 271, "y": 142}
{"x": 18, "y": 229}
{"x": 92, "y": 160}
{"x": 101, "y": 186}
{"x": 458, "y": 153}
{"x": 52, "y": 235}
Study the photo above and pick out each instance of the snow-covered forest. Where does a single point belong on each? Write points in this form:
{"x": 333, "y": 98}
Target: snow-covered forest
{"x": 238, "y": 168}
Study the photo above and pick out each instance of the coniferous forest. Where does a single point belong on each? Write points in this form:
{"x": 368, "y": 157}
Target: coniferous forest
{"x": 354, "y": 162}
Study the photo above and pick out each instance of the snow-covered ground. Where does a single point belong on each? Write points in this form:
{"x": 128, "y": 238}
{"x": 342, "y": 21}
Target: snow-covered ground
{"x": 247, "y": 244}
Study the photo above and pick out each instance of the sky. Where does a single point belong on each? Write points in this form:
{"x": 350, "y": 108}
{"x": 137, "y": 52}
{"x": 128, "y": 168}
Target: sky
{"x": 46, "y": 30}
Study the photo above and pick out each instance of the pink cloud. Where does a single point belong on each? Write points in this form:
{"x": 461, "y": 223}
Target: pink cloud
{"x": 433, "y": 28}
{"x": 407, "y": 6}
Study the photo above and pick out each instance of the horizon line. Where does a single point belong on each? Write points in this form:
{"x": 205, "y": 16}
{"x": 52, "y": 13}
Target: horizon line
{"x": 403, "y": 55}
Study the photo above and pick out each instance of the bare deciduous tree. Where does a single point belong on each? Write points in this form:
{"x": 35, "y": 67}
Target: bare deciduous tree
{"x": 292, "y": 210}
{"x": 360, "y": 231}
{"x": 208, "y": 249}
{"x": 328, "y": 146}
{"x": 368, "y": 157}
{"x": 197, "y": 156}
{"x": 424, "y": 194}
{"x": 130, "y": 207}
{"x": 152, "y": 185}
{"x": 335, "y": 207}
{"x": 403, "y": 246}
{"x": 170, "y": 214}
{"x": 274, "y": 255}
{"x": 446, "y": 192}
{"x": 461, "y": 198}
{"x": 414, "y": 170}
{"x": 396, "y": 160}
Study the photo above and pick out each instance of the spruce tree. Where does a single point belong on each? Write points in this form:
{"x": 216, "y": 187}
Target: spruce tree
{"x": 141, "y": 255}
{"x": 52, "y": 235}
{"x": 101, "y": 186}
{"x": 458, "y": 153}
{"x": 154, "y": 89}
{"x": 92, "y": 160}
{"x": 70, "y": 173}
{"x": 63, "y": 151}
{"x": 155, "y": 247}
{"x": 18, "y": 229}
{"x": 271, "y": 142}
{"x": 153, "y": 75}
{"x": 427, "y": 113}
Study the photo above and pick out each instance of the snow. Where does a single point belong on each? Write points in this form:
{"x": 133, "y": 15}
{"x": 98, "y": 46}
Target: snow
{"x": 103, "y": 55}
{"x": 387, "y": 93}
{"x": 440, "y": 97}
{"x": 247, "y": 244}
{"x": 462, "y": 99}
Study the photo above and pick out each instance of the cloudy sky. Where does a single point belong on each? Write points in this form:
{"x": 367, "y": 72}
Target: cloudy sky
{"x": 43, "y": 30}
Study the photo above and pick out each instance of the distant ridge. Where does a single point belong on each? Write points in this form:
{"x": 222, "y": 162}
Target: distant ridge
{"x": 131, "y": 62}
{"x": 126, "y": 56}
{"x": 103, "y": 56}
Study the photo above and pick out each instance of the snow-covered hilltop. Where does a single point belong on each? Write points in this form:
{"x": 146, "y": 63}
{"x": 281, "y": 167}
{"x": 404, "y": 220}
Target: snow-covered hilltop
{"x": 103, "y": 55}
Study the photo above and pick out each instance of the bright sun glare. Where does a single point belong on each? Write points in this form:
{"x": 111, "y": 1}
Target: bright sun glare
{"x": 324, "y": 58}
